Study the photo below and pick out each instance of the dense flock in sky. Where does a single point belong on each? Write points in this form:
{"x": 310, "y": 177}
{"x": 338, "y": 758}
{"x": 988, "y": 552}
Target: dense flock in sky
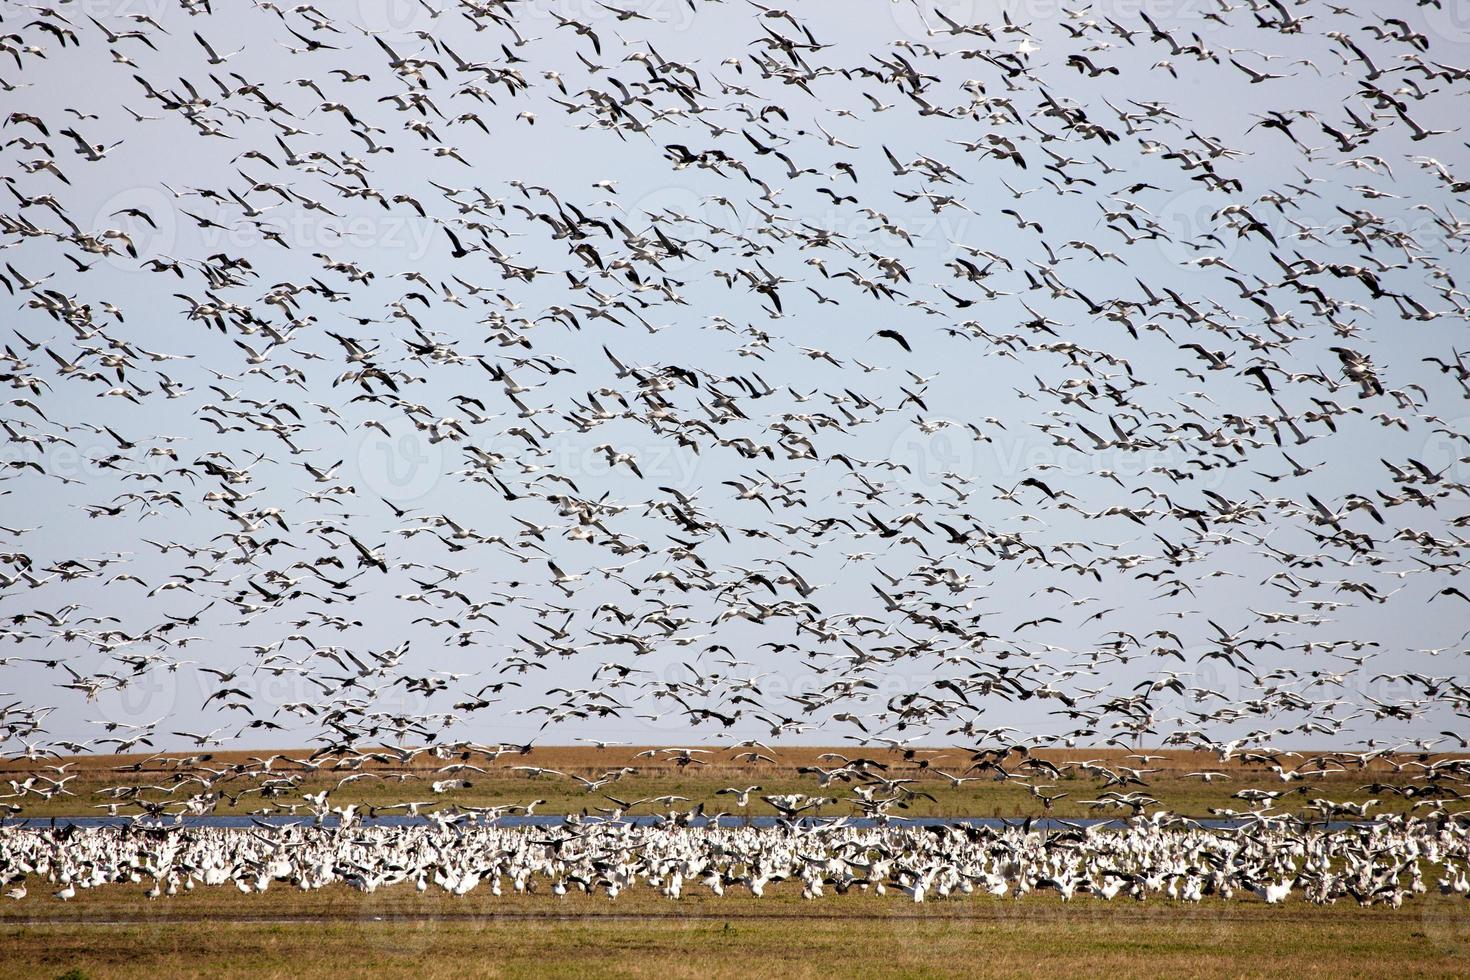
{"x": 497, "y": 374}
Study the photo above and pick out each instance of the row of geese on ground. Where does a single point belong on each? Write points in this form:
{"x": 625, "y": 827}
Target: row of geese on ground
{"x": 1388, "y": 861}
{"x": 1100, "y": 373}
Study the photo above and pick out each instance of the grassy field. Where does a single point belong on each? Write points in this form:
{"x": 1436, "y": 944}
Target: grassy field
{"x": 376, "y": 784}
{"x": 337, "y": 932}
{"x": 218, "y": 932}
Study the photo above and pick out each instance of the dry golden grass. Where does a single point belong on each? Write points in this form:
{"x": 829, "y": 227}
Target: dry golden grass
{"x": 643, "y": 935}
{"x": 662, "y": 775}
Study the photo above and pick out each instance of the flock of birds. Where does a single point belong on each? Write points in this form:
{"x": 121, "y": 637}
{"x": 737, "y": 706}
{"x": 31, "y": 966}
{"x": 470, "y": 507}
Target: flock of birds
{"x": 733, "y": 373}
{"x": 1381, "y": 864}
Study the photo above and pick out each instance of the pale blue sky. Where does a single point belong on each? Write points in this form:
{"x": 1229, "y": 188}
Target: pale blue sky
{"x": 969, "y": 382}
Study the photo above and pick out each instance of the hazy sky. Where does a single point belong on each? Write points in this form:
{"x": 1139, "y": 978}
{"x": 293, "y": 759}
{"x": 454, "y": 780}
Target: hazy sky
{"x": 964, "y": 380}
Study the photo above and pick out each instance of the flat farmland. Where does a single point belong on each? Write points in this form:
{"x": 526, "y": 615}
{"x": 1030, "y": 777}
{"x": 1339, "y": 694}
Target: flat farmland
{"x": 219, "y": 932}
{"x": 929, "y": 786}
{"x": 115, "y": 931}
